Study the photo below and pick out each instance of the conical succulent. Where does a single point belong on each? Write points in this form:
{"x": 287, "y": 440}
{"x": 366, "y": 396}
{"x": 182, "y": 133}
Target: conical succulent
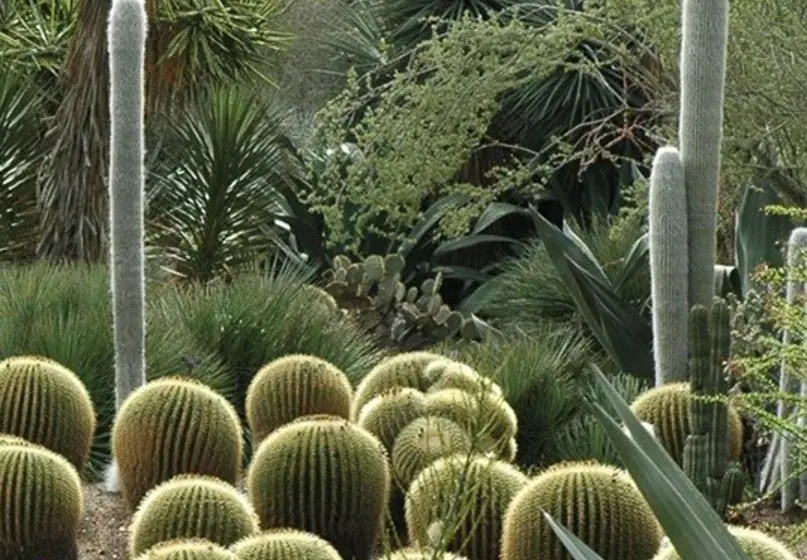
{"x": 667, "y": 409}
{"x": 450, "y": 374}
{"x": 422, "y": 442}
{"x": 285, "y": 544}
{"x": 192, "y": 507}
{"x": 295, "y": 386}
{"x": 46, "y": 403}
{"x": 330, "y": 477}
{"x": 599, "y": 504}
{"x": 401, "y": 370}
{"x": 41, "y": 504}
{"x": 420, "y": 554}
{"x": 187, "y": 549}
{"x": 458, "y": 504}
{"x": 174, "y": 426}
{"x": 387, "y": 414}
{"x": 756, "y": 544}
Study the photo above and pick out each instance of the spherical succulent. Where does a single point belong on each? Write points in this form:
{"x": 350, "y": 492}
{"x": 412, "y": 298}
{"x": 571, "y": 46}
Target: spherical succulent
{"x": 422, "y": 442}
{"x": 420, "y": 554}
{"x": 667, "y": 408}
{"x": 479, "y": 487}
{"x": 295, "y": 386}
{"x": 387, "y": 414}
{"x": 402, "y": 370}
{"x": 46, "y": 403}
{"x": 329, "y": 477}
{"x": 450, "y": 374}
{"x": 41, "y": 506}
{"x": 187, "y": 549}
{"x": 285, "y": 544}
{"x": 6, "y": 439}
{"x": 192, "y": 507}
{"x": 599, "y": 504}
{"x": 756, "y": 544}
{"x": 320, "y": 298}
{"x": 174, "y": 426}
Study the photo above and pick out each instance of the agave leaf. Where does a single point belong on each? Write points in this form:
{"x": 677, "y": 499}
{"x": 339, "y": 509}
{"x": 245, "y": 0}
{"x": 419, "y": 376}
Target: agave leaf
{"x": 577, "y": 548}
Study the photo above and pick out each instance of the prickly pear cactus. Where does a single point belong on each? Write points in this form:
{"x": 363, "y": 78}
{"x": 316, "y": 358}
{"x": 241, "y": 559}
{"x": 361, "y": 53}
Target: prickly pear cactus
{"x": 172, "y": 426}
{"x": 285, "y": 544}
{"x": 326, "y": 476}
{"x": 192, "y": 507}
{"x": 187, "y": 549}
{"x": 401, "y": 370}
{"x": 42, "y": 504}
{"x": 46, "y": 403}
{"x": 584, "y": 496}
{"x": 422, "y": 442}
{"x": 756, "y": 544}
{"x": 295, "y": 386}
{"x": 387, "y": 414}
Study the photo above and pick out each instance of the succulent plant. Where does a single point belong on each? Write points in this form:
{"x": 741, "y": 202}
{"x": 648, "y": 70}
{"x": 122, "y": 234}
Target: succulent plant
{"x": 422, "y": 442}
{"x": 450, "y": 374}
{"x": 192, "y": 507}
{"x": 285, "y": 544}
{"x": 473, "y": 490}
{"x": 326, "y": 476}
{"x": 187, "y": 549}
{"x": 46, "y": 403}
{"x": 295, "y": 386}
{"x": 667, "y": 409}
{"x": 600, "y": 504}
{"x": 6, "y": 439}
{"x": 321, "y": 298}
{"x": 174, "y": 426}
{"x": 756, "y": 544}
{"x": 42, "y": 504}
{"x": 401, "y": 370}
{"x": 420, "y": 554}
{"x": 387, "y": 414}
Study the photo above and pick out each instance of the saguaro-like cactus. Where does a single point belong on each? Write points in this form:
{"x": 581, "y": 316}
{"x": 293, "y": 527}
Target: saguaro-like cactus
{"x": 127, "y": 47}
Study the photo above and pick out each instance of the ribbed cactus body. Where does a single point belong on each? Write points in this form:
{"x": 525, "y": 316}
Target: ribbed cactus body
{"x": 320, "y": 298}
{"x": 192, "y": 507}
{"x": 45, "y": 403}
{"x": 41, "y": 504}
{"x": 479, "y": 487}
{"x": 387, "y": 414}
{"x": 669, "y": 266}
{"x": 295, "y": 386}
{"x": 329, "y": 477}
{"x": 449, "y": 374}
{"x": 599, "y": 504}
{"x": 401, "y": 370}
{"x": 187, "y": 549}
{"x": 667, "y": 409}
{"x": 285, "y": 544}
{"x": 127, "y": 50}
{"x": 422, "y": 442}
{"x": 175, "y": 426}
{"x": 756, "y": 544}
{"x": 420, "y": 554}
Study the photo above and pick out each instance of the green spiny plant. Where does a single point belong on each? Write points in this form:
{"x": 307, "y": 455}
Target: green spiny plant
{"x": 187, "y": 549}
{"x": 174, "y": 426}
{"x": 387, "y": 414}
{"x": 450, "y": 374}
{"x": 42, "y": 504}
{"x": 46, "y": 403}
{"x": 6, "y": 439}
{"x": 422, "y": 442}
{"x": 285, "y": 544}
{"x": 192, "y": 507}
{"x": 756, "y": 544}
{"x": 401, "y": 370}
{"x": 295, "y": 386}
{"x": 599, "y": 504}
{"x": 474, "y": 490}
{"x": 420, "y": 554}
{"x": 667, "y": 409}
{"x": 321, "y": 298}
{"x": 323, "y": 475}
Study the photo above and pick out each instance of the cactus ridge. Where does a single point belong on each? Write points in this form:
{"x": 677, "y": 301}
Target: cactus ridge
{"x": 293, "y": 386}
{"x": 387, "y": 414}
{"x": 192, "y": 507}
{"x": 46, "y": 403}
{"x": 173, "y": 426}
{"x": 422, "y": 442}
{"x": 600, "y": 504}
{"x": 329, "y": 477}
{"x": 187, "y": 549}
{"x": 285, "y": 544}
{"x": 41, "y": 504}
{"x": 449, "y": 374}
{"x": 756, "y": 544}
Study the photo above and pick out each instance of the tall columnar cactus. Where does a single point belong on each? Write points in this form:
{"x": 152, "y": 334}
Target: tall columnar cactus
{"x": 669, "y": 262}
{"x": 127, "y": 51}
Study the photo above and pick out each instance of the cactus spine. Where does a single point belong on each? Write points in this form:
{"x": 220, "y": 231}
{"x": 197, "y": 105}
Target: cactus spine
{"x": 127, "y": 48}
{"x": 187, "y": 549}
{"x": 669, "y": 262}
